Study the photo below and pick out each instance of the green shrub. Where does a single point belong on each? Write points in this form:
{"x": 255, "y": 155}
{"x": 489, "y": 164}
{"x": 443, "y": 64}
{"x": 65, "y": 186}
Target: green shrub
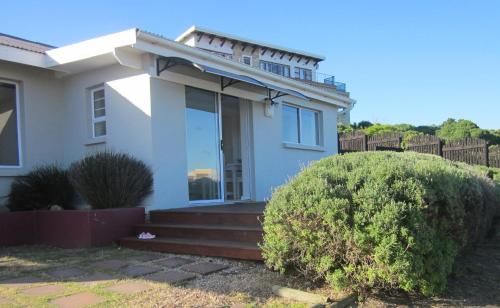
{"x": 40, "y": 189}
{"x": 378, "y": 220}
{"x": 111, "y": 180}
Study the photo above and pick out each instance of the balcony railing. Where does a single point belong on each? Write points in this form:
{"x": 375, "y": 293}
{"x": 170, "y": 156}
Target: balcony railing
{"x": 325, "y": 81}
{"x": 330, "y": 80}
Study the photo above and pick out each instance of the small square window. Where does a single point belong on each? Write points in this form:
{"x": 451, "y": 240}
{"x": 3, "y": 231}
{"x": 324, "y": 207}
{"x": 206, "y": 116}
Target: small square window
{"x": 247, "y": 60}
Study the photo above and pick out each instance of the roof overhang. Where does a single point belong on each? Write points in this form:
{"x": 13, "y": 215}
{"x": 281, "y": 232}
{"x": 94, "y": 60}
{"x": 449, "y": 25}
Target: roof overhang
{"x": 227, "y": 78}
{"x": 128, "y": 47}
{"x": 195, "y": 29}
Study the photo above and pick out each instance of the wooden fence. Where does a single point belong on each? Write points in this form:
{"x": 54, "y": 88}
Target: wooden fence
{"x": 469, "y": 150}
{"x": 494, "y": 157}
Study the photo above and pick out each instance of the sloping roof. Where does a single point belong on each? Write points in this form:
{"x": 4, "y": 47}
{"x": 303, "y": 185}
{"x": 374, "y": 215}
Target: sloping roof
{"x": 20, "y": 43}
{"x": 195, "y": 29}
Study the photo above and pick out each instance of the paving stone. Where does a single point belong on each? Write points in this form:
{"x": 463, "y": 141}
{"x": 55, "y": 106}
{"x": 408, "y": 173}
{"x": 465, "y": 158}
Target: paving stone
{"x": 20, "y": 282}
{"x": 139, "y": 270}
{"x": 44, "y": 290}
{"x": 78, "y": 300}
{"x": 132, "y": 287}
{"x": 204, "y": 268}
{"x": 95, "y": 278}
{"x": 174, "y": 262}
{"x": 170, "y": 277}
{"x": 67, "y": 272}
{"x": 146, "y": 257}
{"x": 109, "y": 264}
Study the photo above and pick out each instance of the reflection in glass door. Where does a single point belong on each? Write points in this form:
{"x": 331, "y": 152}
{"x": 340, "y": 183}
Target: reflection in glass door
{"x": 203, "y": 146}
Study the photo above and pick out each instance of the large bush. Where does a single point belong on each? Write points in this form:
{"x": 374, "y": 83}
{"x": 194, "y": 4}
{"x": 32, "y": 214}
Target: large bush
{"x": 378, "y": 220}
{"x": 111, "y": 180}
{"x": 40, "y": 189}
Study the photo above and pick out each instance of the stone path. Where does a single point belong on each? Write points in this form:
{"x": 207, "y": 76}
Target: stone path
{"x": 140, "y": 272}
{"x": 78, "y": 300}
{"x": 44, "y": 290}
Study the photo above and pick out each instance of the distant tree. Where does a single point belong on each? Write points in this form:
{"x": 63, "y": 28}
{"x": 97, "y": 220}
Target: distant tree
{"x": 452, "y": 129}
{"x": 427, "y": 129}
{"x": 363, "y": 124}
{"x": 344, "y": 128}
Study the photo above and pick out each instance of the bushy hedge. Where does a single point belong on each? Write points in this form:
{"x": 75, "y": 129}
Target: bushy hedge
{"x": 378, "y": 220}
{"x": 111, "y": 180}
{"x": 40, "y": 189}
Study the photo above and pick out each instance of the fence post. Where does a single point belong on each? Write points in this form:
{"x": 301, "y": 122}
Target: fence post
{"x": 440, "y": 147}
{"x": 365, "y": 143}
{"x": 486, "y": 155}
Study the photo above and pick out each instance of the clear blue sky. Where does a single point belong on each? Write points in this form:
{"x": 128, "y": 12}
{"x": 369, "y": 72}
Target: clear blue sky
{"x": 415, "y": 61}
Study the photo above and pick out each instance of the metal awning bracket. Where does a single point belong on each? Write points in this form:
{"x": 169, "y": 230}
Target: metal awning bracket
{"x": 169, "y": 62}
{"x": 277, "y": 95}
{"x": 227, "y": 84}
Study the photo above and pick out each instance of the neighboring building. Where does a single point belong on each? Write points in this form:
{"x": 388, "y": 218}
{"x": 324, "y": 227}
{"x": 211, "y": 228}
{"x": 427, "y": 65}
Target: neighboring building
{"x": 217, "y": 117}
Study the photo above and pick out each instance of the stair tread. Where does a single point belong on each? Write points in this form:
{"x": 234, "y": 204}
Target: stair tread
{"x": 188, "y": 241}
{"x": 202, "y": 226}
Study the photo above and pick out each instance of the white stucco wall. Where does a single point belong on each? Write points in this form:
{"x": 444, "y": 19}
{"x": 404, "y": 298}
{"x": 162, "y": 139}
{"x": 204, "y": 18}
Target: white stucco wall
{"x": 275, "y": 163}
{"x": 77, "y": 109}
{"x": 145, "y": 118}
{"x": 41, "y": 110}
{"x": 169, "y": 144}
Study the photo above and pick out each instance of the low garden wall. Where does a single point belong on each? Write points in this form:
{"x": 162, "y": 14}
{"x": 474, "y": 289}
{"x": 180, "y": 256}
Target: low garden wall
{"x": 69, "y": 228}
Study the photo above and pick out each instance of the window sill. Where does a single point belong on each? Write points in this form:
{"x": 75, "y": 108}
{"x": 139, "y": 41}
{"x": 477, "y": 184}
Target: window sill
{"x": 297, "y": 146}
{"x": 11, "y": 171}
{"x": 95, "y": 141}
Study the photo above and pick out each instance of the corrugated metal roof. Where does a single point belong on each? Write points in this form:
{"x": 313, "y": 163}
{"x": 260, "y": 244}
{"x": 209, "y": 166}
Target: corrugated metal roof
{"x": 20, "y": 43}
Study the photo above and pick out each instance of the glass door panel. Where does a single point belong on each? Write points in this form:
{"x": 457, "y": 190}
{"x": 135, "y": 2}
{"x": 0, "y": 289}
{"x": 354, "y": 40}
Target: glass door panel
{"x": 203, "y": 145}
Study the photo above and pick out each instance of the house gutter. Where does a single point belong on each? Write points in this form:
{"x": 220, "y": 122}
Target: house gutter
{"x": 333, "y": 98}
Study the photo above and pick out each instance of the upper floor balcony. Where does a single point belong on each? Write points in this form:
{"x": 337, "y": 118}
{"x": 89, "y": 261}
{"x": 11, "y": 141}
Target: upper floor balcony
{"x": 325, "y": 81}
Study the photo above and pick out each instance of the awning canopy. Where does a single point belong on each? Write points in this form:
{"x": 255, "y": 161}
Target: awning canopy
{"x": 165, "y": 63}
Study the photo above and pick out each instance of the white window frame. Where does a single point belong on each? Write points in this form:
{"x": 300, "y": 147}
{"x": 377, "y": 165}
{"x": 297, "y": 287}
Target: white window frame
{"x": 18, "y": 123}
{"x": 319, "y": 128}
{"x": 243, "y": 60}
{"x": 98, "y": 119}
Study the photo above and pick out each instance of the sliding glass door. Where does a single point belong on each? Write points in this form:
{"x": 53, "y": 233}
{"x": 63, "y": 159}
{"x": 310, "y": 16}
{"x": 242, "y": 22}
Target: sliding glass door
{"x": 203, "y": 146}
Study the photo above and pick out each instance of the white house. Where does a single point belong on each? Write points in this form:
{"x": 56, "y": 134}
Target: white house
{"x": 218, "y": 118}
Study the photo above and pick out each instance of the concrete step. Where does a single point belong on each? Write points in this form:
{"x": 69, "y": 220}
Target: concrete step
{"x": 209, "y": 248}
{"x": 204, "y": 232}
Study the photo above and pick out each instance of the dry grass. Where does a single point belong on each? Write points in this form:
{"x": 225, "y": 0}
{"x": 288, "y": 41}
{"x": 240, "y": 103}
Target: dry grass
{"x": 246, "y": 284}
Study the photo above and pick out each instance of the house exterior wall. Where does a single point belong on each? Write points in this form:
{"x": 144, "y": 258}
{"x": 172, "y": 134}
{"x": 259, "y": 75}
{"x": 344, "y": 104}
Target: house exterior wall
{"x": 275, "y": 163}
{"x": 145, "y": 118}
{"x": 41, "y": 113}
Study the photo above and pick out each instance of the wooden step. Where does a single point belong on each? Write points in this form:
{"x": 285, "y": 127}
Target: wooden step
{"x": 206, "y": 218}
{"x": 204, "y": 232}
{"x": 209, "y": 248}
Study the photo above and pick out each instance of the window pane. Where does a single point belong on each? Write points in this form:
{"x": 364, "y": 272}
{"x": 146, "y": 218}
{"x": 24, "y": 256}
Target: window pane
{"x": 9, "y": 151}
{"x": 309, "y": 127}
{"x": 203, "y": 147}
{"x": 100, "y": 129}
{"x": 99, "y": 113}
{"x": 98, "y": 94}
{"x": 290, "y": 124}
{"x": 99, "y": 104}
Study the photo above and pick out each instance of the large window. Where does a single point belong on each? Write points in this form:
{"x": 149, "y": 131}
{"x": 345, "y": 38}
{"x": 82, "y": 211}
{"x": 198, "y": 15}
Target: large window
{"x": 9, "y": 125}
{"x": 303, "y": 73}
{"x": 301, "y": 125}
{"x": 276, "y": 68}
{"x": 98, "y": 105}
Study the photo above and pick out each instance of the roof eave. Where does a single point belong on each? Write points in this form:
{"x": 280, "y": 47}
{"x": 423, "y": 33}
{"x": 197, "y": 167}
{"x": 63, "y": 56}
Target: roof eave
{"x": 315, "y": 93}
{"x": 194, "y": 29}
